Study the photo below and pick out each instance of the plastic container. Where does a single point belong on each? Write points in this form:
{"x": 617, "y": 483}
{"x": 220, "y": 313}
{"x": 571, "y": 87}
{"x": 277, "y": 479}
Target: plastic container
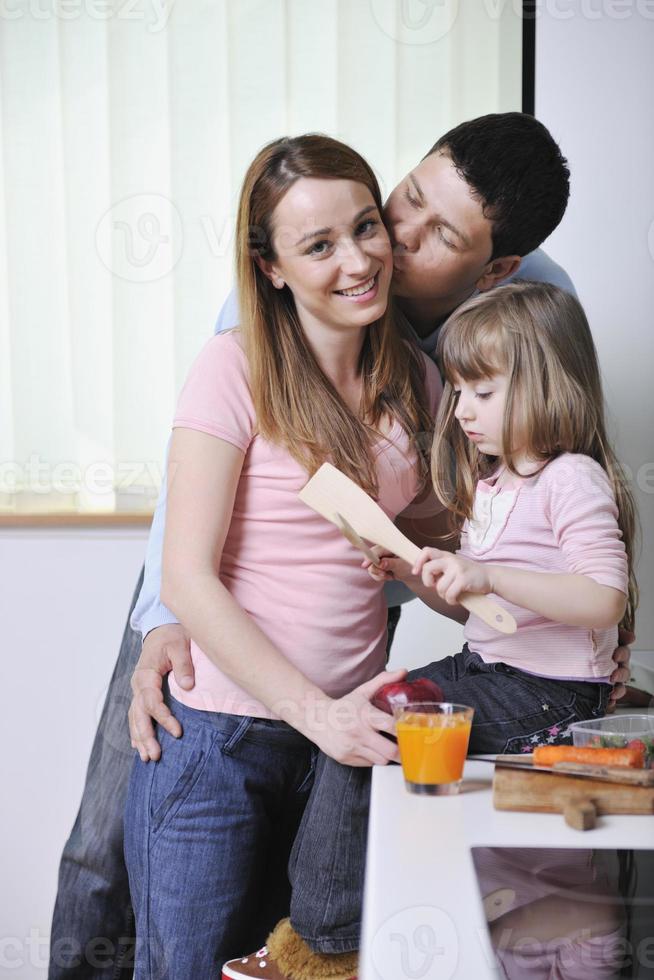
{"x": 616, "y": 732}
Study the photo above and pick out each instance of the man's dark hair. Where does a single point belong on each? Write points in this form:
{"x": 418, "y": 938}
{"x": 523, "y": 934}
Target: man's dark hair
{"x": 517, "y": 171}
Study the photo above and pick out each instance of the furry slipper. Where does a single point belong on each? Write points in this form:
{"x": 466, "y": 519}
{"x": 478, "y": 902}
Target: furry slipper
{"x": 299, "y": 962}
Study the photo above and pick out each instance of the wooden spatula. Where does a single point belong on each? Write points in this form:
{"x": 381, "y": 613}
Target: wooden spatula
{"x": 330, "y": 493}
{"x": 348, "y": 531}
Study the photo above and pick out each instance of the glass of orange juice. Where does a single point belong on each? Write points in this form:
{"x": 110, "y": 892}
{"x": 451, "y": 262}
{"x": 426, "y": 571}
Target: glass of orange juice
{"x": 433, "y": 740}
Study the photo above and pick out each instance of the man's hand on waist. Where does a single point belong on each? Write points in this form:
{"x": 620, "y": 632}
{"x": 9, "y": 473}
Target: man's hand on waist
{"x": 165, "y": 648}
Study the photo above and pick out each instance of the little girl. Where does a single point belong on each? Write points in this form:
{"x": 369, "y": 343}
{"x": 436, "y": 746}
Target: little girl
{"x": 521, "y": 460}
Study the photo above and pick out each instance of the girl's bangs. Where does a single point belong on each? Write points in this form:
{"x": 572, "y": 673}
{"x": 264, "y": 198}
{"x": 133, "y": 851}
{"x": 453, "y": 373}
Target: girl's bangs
{"x": 473, "y": 347}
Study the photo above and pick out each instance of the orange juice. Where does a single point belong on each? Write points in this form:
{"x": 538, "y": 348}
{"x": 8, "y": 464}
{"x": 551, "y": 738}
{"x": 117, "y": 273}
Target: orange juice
{"x": 433, "y": 746}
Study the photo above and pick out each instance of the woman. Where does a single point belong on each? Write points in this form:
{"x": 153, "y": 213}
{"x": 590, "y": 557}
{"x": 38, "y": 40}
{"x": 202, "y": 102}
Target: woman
{"x": 289, "y": 631}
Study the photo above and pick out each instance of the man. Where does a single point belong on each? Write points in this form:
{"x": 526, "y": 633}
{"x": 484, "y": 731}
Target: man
{"x": 469, "y": 217}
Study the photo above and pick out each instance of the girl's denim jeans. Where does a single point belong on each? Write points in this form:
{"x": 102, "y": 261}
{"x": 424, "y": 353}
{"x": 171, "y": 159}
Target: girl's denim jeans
{"x": 514, "y": 711}
{"x": 208, "y": 833}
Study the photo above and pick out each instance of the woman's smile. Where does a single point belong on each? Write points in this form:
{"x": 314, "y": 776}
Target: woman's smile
{"x": 332, "y": 252}
{"x": 363, "y": 292}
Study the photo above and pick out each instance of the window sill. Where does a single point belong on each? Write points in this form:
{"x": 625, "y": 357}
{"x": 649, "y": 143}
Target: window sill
{"x": 76, "y": 520}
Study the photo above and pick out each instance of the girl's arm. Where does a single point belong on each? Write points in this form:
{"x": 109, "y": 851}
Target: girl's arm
{"x": 576, "y": 600}
{"x": 436, "y": 602}
{"x": 393, "y": 568}
{"x": 203, "y": 474}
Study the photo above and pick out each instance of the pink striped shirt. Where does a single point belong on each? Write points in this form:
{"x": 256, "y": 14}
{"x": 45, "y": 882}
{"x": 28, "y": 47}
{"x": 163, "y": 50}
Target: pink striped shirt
{"x": 564, "y": 520}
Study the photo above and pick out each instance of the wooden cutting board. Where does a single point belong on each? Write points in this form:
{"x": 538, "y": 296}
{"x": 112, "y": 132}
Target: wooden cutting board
{"x": 538, "y": 792}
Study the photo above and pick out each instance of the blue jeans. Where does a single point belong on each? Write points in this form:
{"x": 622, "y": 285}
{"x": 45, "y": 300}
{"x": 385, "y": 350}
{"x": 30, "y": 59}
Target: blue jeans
{"x": 208, "y": 833}
{"x": 513, "y": 712}
{"x": 92, "y": 933}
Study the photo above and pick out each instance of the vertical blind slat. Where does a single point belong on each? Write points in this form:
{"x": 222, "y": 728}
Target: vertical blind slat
{"x": 124, "y": 141}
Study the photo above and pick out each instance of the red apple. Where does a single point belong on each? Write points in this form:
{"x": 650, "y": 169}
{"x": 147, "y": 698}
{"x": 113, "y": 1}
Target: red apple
{"x": 402, "y": 692}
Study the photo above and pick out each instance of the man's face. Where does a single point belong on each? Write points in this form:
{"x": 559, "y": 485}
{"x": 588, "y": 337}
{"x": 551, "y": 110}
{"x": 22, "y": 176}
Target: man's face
{"x": 441, "y": 240}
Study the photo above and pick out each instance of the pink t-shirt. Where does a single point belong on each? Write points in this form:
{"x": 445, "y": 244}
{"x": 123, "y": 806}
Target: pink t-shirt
{"x": 562, "y": 520}
{"x": 291, "y": 570}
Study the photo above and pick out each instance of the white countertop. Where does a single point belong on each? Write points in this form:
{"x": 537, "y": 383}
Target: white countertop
{"x": 423, "y": 916}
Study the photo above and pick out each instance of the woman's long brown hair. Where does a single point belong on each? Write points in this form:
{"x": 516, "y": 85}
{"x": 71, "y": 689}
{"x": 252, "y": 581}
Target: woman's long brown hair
{"x": 296, "y": 404}
{"x": 539, "y": 336}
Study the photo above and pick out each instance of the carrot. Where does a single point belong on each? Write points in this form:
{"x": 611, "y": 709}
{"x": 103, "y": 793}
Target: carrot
{"x": 548, "y": 755}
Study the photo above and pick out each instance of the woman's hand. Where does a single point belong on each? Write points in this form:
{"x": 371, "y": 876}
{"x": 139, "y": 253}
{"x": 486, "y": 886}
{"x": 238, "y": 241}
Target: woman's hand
{"x": 350, "y": 731}
{"x": 389, "y": 568}
{"x": 450, "y": 575}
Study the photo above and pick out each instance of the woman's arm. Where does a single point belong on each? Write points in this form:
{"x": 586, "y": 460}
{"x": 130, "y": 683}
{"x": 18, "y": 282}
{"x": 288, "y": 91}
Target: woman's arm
{"x": 203, "y": 474}
{"x": 576, "y": 600}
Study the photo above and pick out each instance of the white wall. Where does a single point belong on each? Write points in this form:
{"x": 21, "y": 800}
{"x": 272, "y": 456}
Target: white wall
{"x": 595, "y": 91}
{"x": 64, "y": 599}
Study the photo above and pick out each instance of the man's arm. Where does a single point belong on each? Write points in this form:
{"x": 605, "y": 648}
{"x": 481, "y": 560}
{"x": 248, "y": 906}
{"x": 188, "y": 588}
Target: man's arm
{"x": 149, "y": 611}
{"x": 166, "y": 647}
{"x": 230, "y": 315}
{"x": 622, "y": 672}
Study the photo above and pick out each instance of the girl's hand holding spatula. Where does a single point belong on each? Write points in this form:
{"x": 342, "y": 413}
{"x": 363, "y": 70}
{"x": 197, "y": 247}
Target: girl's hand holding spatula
{"x": 389, "y": 567}
{"x": 436, "y": 570}
{"x": 450, "y": 575}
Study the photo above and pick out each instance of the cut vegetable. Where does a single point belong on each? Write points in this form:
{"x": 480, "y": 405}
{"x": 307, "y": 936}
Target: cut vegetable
{"x": 549, "y": 755}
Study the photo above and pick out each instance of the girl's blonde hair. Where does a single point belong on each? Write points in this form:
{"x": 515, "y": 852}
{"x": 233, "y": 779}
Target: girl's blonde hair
{"x": 538, "y": 335}
{"x": 296, "y": 405}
